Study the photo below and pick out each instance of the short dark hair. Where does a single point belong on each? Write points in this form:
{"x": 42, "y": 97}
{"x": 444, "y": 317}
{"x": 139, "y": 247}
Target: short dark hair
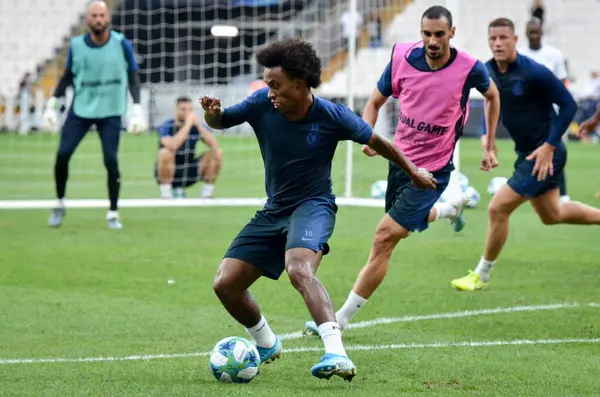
{"x": 438, "y": 12}
{"x": 184, "y": 99}
{"x": 297, "y": 58}
{"x": 502, "y": 23}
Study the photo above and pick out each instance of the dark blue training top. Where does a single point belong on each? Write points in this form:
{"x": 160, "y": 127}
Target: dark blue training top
{"x": 186, "y": 152}
{"x": 527, "y": 92}
{"x": 297, "y": 155}
{"x": 127, "y": 49}
{"x": 478, "y": 78}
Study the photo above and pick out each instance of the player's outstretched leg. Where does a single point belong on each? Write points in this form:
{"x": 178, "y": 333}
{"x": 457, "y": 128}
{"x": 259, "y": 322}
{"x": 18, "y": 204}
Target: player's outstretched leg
{"x": 109, "y": 130}
{"x": 209, "y": 168}
{"x": 72, "y": 133}
{"x": 551, "y": 212}
{"x": 453, "y": 210}
{"x": 231, "y": 284}
{"x": 502, "y": 206}
{"x": 300, "y": 264}
{"x": 165, "y": 169}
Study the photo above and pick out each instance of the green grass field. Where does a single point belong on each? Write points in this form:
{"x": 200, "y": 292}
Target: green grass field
{"x": 83, "y": 292}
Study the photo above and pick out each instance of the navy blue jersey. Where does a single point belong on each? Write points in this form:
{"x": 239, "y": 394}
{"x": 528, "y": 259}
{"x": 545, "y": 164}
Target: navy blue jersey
{"x": 297, "y": 155}
{"x": 186, "y": 152}
{"x": 528, "y": 91}
{"x": 478, "y": 78}
{"x": 127, "y": 50}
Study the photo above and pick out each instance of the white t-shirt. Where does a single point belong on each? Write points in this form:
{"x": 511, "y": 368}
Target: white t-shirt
{"x": 348, "y": 18}
{"x": 550, "y": 57}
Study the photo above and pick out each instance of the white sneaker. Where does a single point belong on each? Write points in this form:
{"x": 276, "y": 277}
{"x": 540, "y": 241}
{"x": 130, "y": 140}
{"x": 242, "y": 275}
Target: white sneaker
{"x": 112, "y": 219}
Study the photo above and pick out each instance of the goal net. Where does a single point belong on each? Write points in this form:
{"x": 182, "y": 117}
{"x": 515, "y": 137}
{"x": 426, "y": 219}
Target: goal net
{"x": 200, "y": 47}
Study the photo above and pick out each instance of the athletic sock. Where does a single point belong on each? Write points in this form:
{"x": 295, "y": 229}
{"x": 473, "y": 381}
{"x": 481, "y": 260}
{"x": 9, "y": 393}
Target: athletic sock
{"x": 165, "y": 190}
{"x": 444, "y": 211}
{"x": 353, "y": 304}
{"x": 262, "y": 334}
{"x": 332, "y": 338}
{"x": 207, "y": 190}
{"x": 114, "y": 185}
{"x": 484, "y": 269}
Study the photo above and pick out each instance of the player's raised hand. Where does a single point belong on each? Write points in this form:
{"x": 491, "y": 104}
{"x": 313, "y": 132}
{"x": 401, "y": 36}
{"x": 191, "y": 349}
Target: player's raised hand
{"x": 543, "y": 156}
{"x": 587, "y": 127}
{"x": 423, "y": 179}
{"x": 489, "y": 160}
{"x": 192, "y": 118}
{"x": 211, "y": 105}
{"x": 369, "y": 151}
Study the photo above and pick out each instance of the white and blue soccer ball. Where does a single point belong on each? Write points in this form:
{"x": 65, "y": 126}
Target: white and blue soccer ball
{"x": 378, "y": 189}
{"x": 473, "y": 196}
{"x": 496, "y": 184}
{"x": 234, "y": 360}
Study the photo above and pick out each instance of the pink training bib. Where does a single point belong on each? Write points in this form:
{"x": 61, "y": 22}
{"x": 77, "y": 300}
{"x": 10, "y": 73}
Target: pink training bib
{"x": 430, "y": 108}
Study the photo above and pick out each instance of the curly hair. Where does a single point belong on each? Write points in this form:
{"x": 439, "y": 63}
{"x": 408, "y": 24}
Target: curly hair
{"x": 298, "y": 59}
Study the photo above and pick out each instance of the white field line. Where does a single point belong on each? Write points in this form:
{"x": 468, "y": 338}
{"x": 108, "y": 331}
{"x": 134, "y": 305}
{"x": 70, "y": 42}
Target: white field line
{"x": 441, "y": 316}
{"x": 491, "y": 343}
{"x": 363, "y": 324}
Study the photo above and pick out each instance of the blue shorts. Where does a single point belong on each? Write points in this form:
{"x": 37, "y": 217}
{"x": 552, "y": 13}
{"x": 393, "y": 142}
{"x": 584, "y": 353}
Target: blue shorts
{"x": 409, "y": 205}
{"x": 527, "y": 185}
{"x": 265, "y": 239}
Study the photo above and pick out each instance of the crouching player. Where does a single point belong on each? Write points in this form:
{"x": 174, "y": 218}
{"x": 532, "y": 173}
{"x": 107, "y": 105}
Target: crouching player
{"x": 177, "y": 166}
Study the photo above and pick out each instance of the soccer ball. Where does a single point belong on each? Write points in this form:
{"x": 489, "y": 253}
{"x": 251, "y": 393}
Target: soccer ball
{"x": 473, "y": 196}
{"x": 464, "y": 182}
{"x": 495, "y": 184}
{"x": 234, "y": 360}
{"x": 378, "y": 189}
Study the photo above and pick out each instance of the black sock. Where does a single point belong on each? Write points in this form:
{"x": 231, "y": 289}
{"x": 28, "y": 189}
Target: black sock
{"x": 61, "y": 174}
{"x": 114, "y": 185}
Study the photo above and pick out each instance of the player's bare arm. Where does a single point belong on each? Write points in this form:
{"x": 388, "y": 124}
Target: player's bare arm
{"x": 370, "y": 113}
{"x": 175, "y": 142}
{"x": 589, "y": 126}
{"x": 420, "y": 178}
{"x": 213, "y": 114}
{"x": 209, "y": 139}
{"x": 491, "y": 100}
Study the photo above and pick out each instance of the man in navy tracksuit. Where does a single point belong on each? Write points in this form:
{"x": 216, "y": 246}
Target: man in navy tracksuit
{"x": 528, "y": 92}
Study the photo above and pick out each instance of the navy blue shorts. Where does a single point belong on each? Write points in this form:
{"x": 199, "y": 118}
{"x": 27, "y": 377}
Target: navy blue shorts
{"x": 186, "y": 173}
{"x": 527, "y": 185}
{"x": 265, "y": 239}
{"x": 409, "y": 205}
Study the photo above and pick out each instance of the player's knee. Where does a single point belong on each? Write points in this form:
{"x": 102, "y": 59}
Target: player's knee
{"x": 497, "y": 212}
{"x": 63, "y": 156}
{"x": 222, "y": 285}
{"x": 299, "y": 270}
{"x": 165, "y": 156}
{"x": 387, "y": 237}
{"x": 111, "y": 163}
{"x": 550, "y": 218}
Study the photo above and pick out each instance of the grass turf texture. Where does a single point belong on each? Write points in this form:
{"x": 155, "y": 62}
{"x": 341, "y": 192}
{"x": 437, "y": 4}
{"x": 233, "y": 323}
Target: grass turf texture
{"x": 86, "y": 291}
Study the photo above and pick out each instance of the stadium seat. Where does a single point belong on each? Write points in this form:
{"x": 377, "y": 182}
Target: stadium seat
{"x": 48, "y": 22}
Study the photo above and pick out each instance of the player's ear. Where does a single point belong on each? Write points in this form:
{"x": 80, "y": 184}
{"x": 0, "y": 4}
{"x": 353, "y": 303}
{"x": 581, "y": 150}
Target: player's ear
{"x": 452, "y": 31}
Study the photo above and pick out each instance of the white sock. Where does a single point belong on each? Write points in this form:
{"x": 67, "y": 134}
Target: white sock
{"x": 207, "y": 190}
{"x": 60, "y": 203}
{"x": 165, "y": 190}
{"x": 331, "y": 334}
{"x": 112, "y": 215}
{"x": 262, "y": 333}
{"x": 347, "y": 312}
{"x": 484, "y": 269}
{"x": 444, "y": 211}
